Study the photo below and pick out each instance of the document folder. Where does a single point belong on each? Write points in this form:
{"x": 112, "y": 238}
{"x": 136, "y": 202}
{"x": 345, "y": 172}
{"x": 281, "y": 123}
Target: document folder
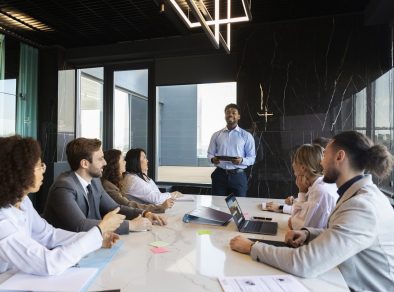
{"x": 206, "y": 215}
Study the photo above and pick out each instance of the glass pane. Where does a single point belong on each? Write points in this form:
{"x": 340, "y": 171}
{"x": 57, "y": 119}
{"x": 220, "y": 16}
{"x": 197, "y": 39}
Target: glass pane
{"x": 131, "y": 109}
{"x": 7, "y": 107}
{"x": 187, "y": 116}
{"x": 212, "y": 98}
{"x": 121, "y": 120}
{"x": 90, "y": 119}
{"x": 65, "y": 112}
{"x": 383, "y": 129}
{"x": 360, "y": 113}
{"x": 382, "y": 101}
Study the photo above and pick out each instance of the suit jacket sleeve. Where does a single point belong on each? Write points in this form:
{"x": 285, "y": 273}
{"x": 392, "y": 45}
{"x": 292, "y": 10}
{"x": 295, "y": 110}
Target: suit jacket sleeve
{"x": 107, "y": 204}
{"x": 68, "y": 214}
{"x": 352, "y": 230}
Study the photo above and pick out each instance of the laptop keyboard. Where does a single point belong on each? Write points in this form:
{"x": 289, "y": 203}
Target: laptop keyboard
{"x": 254, "y": 226}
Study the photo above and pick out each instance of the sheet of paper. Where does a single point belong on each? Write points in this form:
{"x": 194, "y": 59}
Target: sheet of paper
{"x": 159, "y": 250}
{"x": 262, "y": 283}
{"x": 73, "y": 279}
{"x": 101, "y": 257}
{"x": 159, "y": 243}
{"x": 185, "y": 199}
{"x": 202, "y": 232}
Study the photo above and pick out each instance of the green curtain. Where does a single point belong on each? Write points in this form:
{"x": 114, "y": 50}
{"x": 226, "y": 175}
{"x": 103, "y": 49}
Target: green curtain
{"x": 2, "y": 57}
{"x": 26, "y": 113}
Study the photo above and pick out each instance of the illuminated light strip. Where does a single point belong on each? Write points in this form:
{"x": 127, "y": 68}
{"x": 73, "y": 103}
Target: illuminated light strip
{"x": 190, "y": 24}
{"x": 217, "y": 8}
{"x": 247, "y": 8}
{"x": 24, "y": 21}
{"x": 181, "y": 13}
{"x": 205, "y": 27}
{"x": 216, "y": 37}
{"x": 220, "y": 21}
{"x": 229, "y": 24}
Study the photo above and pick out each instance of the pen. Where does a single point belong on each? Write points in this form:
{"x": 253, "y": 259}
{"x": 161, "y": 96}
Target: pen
{"x": 262, "y": 218}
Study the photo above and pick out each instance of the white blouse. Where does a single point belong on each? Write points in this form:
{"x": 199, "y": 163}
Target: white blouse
{"x": 30, "y": 244}
{"x": 312, "y": 209}
{"x": 148, "y": 192}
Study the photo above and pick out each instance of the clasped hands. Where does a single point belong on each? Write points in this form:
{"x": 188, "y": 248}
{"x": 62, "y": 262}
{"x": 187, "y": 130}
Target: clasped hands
{"x": 145, "y": 223}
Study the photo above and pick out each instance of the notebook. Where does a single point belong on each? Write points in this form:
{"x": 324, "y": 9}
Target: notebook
{"x": 206, "y": 215}
{"x": 249, "y": 226}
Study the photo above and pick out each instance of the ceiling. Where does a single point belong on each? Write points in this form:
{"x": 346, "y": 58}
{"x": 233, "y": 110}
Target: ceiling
{"x": 78, "y": 23}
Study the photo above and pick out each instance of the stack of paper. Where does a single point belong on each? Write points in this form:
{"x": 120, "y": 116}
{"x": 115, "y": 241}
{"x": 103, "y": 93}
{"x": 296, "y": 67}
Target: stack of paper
{"x": 262, "y": 283}
{"x": 73, "y": 279}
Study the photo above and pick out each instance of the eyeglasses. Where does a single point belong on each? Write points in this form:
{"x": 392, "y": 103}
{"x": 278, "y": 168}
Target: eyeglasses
{"x": 43, "y": 166}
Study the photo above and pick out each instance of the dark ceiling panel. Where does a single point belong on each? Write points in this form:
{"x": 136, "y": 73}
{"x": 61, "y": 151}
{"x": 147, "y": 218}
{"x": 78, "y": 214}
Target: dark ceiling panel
{"x": 76, "y": 23}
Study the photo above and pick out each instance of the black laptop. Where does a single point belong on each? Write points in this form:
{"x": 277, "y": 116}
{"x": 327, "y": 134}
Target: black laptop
{"x": 249, "y": 226}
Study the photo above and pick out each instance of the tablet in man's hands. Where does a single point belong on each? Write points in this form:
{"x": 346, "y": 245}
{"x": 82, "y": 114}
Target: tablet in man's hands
{"x": 226, "y": 158}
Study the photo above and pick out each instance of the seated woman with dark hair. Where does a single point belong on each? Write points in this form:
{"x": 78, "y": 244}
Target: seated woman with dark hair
{"x": 27, "y": 242}
{"x": 137, "y": 184}
{"x": 112, "y": 176}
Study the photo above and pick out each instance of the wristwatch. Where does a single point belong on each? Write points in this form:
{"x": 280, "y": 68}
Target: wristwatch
{"x": 253, "y": 243}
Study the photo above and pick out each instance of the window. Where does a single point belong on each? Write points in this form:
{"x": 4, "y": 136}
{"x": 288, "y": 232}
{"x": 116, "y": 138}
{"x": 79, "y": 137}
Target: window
{"x": 360, "y": 111}
{"x": 65, "y": 112}
{"x": 187, "y": 116}
{"x": 90, "y": 103}
{"x": 383, "y": 100}
{"x": 377, "y": 96}
{"x": 131, "y": 109}
{"x": 7, "y": 107}
{"x": 382, "y": 92}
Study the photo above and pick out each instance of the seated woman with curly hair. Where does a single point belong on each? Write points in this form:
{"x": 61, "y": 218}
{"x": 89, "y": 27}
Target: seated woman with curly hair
{"x": 27, "y": 242}
{"x": 112, "y": 175}
{"x": 138, "y": 185}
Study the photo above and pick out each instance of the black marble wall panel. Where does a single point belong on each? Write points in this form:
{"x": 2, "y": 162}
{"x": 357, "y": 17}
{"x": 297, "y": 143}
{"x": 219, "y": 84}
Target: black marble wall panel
{"x": 305, "y": 74}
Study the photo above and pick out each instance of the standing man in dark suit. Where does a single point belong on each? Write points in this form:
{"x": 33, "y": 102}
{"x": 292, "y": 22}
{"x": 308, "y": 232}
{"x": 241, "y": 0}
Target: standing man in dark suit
{"x": 77, "y": 200}
{"x": 231, "y": 150}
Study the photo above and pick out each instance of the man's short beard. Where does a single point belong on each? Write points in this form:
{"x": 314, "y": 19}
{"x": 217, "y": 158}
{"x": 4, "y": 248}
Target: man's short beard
{"x": 331, "y": 176}
{"x": 95, "y": 174}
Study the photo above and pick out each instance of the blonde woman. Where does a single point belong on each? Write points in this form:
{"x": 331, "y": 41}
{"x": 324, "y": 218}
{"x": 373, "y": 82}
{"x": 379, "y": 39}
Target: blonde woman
{"x": 316, "y": 199}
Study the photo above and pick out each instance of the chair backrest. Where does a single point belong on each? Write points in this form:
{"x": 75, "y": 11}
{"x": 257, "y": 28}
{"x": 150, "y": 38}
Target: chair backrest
{"x": 60, "y": 167}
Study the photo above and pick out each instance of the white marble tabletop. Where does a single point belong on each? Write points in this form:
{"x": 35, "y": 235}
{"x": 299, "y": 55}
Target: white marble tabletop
{"x": 194, "y": 262}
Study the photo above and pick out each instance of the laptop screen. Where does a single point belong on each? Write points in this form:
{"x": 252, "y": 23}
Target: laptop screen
{"x": 235, "y": 210}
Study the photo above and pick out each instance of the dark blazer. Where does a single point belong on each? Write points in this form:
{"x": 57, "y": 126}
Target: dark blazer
{"x": 67, "y": 205}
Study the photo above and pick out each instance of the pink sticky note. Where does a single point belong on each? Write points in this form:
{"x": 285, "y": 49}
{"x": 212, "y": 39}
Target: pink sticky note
{"x": 246, "y": 214}
{"x": 159, "y": 250}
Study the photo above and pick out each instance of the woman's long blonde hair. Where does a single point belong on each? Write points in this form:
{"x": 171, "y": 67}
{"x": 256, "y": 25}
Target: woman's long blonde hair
{"x": 310, "y": 156}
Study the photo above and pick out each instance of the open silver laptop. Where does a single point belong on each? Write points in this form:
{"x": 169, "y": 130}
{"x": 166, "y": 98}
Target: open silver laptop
{"x": 249, "y": 226}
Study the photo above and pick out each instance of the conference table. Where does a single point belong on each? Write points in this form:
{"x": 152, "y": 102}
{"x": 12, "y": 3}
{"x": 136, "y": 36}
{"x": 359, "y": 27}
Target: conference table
{"x": 193, "y": 261}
